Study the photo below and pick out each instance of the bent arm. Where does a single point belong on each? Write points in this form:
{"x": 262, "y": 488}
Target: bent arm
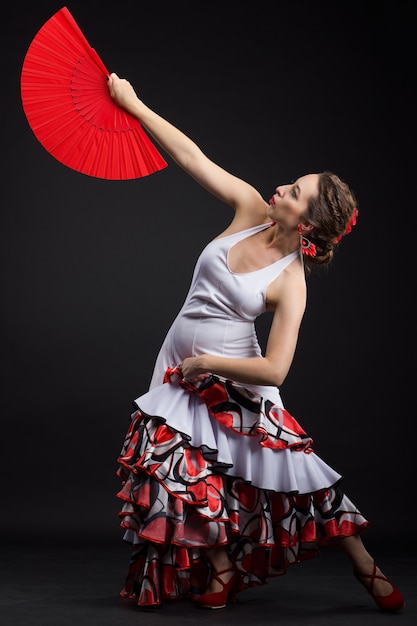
{"x": 187, "y": 154}
{"x": 270, "y": 369}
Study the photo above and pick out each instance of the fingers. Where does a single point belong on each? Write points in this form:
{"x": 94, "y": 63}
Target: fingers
{"x": 116, "y": 86}
{"x": 112, "y": 79}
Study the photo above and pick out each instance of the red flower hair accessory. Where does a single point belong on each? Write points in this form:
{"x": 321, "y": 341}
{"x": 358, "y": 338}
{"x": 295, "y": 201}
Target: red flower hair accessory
{"x": 349, "y": 227}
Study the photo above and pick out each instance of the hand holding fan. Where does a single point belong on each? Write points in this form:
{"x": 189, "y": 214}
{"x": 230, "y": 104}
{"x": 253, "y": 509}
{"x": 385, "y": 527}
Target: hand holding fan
{"x": 68, "y": 106}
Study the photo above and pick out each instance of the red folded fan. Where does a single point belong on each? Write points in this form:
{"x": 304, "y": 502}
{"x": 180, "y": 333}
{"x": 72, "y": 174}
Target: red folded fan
{"x": 68, "y": 106}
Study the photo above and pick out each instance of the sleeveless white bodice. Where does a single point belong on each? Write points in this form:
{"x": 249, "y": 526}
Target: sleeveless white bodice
{"x": 219, "y": 312}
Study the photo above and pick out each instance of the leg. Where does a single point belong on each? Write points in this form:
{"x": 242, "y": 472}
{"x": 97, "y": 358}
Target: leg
{"x": 363, "y": 562}
{"x": 385, "y": 593}
{"x": 220, "y": 562}
{"x": 224, "y": 580}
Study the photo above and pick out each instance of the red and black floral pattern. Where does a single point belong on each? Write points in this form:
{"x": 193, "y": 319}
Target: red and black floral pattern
{"x": 177, "y": 502}
{"x": 245, "y": 412}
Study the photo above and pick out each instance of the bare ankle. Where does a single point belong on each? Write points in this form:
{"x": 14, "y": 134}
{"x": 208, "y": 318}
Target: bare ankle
{"x": 219, "y": 559}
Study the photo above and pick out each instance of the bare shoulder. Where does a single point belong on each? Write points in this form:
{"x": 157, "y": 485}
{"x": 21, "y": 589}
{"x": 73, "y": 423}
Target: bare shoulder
{"x": 247, "y": 215}
{"x": 289, "y": 289}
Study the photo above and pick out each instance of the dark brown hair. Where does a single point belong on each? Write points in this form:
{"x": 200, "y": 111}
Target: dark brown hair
{"x": 329, "y": 213}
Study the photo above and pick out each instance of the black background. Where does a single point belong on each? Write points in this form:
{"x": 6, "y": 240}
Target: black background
{"x": 94, "y": 271}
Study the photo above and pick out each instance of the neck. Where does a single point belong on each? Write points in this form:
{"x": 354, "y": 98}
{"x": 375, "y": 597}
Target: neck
{"x": 286, "y": 241}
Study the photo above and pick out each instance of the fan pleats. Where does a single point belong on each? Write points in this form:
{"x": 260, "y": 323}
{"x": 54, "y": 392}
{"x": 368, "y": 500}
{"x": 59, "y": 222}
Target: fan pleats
{"x": 69, "y": 109}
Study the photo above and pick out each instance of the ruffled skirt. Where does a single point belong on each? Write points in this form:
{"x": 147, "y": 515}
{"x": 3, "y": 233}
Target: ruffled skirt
{"x": 213, "y": 464}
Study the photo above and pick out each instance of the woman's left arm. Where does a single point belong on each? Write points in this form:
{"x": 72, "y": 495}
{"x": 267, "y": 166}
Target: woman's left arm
{"x": 272, "y": 368}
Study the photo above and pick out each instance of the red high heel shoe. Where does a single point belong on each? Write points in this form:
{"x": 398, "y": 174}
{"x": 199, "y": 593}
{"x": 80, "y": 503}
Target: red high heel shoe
{"x": 219, "y": 599}
{"x": 393, "y": 602}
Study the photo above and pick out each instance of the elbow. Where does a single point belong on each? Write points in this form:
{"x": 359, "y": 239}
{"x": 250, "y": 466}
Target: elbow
{"x": 277, "y": 380}
{"x": 275, "y": 375}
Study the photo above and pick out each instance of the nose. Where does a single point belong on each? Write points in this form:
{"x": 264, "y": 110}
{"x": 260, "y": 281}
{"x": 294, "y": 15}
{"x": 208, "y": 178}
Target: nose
{"x": 279, "y": 191}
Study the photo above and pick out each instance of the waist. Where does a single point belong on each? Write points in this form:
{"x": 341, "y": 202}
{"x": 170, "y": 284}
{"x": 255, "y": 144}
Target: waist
{"x": 223, "y": 337}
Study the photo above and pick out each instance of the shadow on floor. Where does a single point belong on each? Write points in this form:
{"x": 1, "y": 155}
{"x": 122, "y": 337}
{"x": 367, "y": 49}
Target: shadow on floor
{"x": 48, "y": 584}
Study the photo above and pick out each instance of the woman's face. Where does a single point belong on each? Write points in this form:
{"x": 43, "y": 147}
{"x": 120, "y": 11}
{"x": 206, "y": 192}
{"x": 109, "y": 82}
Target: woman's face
{"x": 289, "y": 202}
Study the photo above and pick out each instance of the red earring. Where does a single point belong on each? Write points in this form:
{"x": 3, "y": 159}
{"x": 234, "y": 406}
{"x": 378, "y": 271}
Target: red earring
{"x": 307, "y": 247}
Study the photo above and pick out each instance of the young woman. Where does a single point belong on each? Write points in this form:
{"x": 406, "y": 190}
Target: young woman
{"x": 221, "y": 486}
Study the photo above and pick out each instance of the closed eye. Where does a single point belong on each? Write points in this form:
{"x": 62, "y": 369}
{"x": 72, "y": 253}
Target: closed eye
{"x": 295, "y": 191}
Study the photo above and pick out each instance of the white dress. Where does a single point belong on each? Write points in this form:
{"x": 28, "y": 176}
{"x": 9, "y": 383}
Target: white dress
{"x": 204, "y": 450}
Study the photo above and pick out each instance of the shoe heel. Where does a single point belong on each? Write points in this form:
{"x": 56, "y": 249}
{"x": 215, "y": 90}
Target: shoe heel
{"x": 228, "y": 593}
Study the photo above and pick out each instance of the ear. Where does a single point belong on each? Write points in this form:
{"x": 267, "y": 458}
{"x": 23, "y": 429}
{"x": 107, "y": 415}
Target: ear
{"x": 306, "y": 225}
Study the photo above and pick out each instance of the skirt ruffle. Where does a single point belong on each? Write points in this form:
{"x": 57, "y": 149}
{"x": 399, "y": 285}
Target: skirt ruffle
{"x": 240, "y": 431}
{"x": 179, "y": 499}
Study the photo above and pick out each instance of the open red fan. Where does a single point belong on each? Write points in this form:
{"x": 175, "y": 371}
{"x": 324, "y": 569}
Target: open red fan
{"x": 68, "y": 106}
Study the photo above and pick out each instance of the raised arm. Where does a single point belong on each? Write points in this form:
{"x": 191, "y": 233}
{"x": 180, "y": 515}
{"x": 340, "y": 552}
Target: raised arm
{"x": 244, "y": 198}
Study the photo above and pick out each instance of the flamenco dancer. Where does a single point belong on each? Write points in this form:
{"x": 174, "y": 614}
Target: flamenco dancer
{"x": 221, "y": 486}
